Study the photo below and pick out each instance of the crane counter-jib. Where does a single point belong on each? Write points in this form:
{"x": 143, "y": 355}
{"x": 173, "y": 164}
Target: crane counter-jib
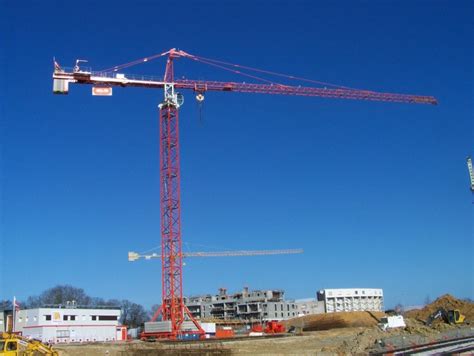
{"x": 63, "y": 79}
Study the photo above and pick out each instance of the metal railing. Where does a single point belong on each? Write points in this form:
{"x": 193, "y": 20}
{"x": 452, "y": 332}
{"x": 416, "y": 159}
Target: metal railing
{"x": 113, "y": 75}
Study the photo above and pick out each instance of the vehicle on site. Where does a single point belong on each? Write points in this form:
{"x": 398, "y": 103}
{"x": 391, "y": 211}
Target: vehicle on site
{"x": 274, "y": 327}
{"x": 452, "y": 316}
{"x": 16, "y": 345}
{"x": 391, "y": 322}
{"x": 271, "y": 327}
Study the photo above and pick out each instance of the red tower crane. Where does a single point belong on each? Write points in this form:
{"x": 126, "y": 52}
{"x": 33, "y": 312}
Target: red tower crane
{"x": 173, "y": 308}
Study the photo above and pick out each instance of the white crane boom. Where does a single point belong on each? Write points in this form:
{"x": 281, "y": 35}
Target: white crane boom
{"x": 133, "y": 256}
{"x": 471, "y": 173}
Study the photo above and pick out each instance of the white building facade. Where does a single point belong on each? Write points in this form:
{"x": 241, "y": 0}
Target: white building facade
{"x": 351, "y": 299}
{"x": 66, "y": 325}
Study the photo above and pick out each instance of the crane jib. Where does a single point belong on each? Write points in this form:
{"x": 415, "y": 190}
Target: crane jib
{"x": 62, "y": 80}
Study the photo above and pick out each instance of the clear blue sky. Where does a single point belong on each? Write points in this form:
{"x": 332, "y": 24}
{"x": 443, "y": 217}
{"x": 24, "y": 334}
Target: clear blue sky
{"x": 377, "y": 194}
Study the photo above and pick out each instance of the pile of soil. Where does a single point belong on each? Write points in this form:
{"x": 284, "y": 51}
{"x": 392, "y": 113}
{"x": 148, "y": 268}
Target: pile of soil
{"x": 447, "y": 302}
{"x": 334, "y": 320}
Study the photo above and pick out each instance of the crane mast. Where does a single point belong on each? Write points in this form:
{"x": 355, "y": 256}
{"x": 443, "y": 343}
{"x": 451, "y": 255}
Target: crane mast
{"x": 173, "y": 308}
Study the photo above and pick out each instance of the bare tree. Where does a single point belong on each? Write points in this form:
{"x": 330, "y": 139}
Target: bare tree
{"x": 133, "y": 314}
{"x": 64, "y": 293}
{"x": 60, "y": 295}
{"x": 427, "y": 300}
{"x": 399, "y": 308}
{"x": 5, "y": 304}
{"x": 33, "y": 302}
{"x": 153, "y": 310}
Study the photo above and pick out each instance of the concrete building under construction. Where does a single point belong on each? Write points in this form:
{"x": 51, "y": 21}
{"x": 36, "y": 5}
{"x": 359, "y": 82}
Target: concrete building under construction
{"x": 270, "y": 304}
{"x": 244, "y": 305}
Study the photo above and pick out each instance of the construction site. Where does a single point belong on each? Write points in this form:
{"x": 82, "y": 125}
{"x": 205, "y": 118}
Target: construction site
{"x": 334, "y": 321}
{"x": 325, "y": 275}
{"x": 443, "y": 326}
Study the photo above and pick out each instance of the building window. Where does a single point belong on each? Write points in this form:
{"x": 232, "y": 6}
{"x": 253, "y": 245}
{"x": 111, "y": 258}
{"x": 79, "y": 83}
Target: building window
{"x": 72, "y": 317}
{"x": 282, "y": 315}
{"x": 275, "y": 308}
{"x": 288, "y": 307}
{"x": 62, "y": 333}
{"x": 107, "y": 317}
{"x": 281, "y": 307}
{"x": 94, "y": 317}
{"x": 47, "y": 317}
{"x": 276, "y": 315}
{"x": 64, "y": 317}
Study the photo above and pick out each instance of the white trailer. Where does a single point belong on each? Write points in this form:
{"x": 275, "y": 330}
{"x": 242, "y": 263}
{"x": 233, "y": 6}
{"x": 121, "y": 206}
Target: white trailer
{"x": 66, "y": 325}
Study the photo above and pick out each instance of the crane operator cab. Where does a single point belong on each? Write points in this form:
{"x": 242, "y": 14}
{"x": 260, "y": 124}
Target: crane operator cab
{"x": 455, "y": 317}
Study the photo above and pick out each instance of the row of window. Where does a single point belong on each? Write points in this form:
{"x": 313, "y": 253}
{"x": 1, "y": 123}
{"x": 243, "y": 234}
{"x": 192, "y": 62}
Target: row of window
{"x": 293, "y": 306}
{"x": 282, "y": 314}
{"x": 287, "y": 307}
{"x": 376, "y": 293}
{"x": 47, "y": 317}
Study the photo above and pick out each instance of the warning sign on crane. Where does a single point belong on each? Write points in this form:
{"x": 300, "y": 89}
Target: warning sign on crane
{"x": 102, "y": 91}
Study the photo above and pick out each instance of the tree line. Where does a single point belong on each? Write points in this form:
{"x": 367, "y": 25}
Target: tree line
{"x": 132, "y": 314}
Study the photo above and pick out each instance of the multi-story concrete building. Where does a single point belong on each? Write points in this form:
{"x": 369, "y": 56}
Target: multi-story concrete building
{"x": 63, "y": 325}
{"x": 351, "y": 299}
{"x": 244, "y": 305}
{"x": 271, "y": 304}
{"x": 309, "y": 306}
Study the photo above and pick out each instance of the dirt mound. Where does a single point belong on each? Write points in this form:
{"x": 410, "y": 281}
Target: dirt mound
{"x": 334, "y": 320}
{"x": 447, "y": 302}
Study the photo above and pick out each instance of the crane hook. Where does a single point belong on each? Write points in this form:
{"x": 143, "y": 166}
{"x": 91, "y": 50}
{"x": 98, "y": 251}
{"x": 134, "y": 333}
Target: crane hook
{"x": 200, "y": 97}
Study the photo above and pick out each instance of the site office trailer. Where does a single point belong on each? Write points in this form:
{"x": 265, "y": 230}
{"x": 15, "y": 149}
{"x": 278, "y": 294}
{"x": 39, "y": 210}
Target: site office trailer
{"x": 64, "y": 325}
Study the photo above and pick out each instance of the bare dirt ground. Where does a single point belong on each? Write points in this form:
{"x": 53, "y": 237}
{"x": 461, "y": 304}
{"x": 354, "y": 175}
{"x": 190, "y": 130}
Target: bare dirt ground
{"x": 342, "y": 341}
{"x": 349, "y": 334}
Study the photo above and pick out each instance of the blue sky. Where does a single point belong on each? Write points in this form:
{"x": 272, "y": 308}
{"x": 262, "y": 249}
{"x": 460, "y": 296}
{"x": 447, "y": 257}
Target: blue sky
{"x": 377, "y": 194}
